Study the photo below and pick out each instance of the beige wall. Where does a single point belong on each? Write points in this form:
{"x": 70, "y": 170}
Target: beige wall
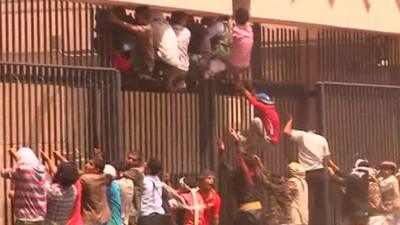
{"x": 199, "y": 6}
{"x": 373, "y": 15}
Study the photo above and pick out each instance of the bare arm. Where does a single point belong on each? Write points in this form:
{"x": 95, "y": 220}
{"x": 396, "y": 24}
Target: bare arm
{"x": 12, "y": 153}
{"x": 60, "y": 157}
{"x": 130, "y": 27}
{"x": 50, "y": 163}
{"x": 288, "y": 127}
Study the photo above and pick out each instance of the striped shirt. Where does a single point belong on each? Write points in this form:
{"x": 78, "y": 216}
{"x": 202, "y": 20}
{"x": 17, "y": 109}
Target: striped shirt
{"x": 60, "y": 203}
{"x": 31, "y": 185}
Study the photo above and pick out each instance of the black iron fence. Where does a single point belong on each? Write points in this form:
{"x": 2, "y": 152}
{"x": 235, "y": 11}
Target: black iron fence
{"x": 75, "y": 109}
{"x": 50, "y": 108}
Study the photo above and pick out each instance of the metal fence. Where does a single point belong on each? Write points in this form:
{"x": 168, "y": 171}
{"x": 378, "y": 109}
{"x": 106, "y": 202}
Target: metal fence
{"x": 358, "y": 57}
{"x": 49, "y": 32}
{"x": 359, "y": 120}
{"x": 78, "y": 108}
{"x": 49, "y": 108}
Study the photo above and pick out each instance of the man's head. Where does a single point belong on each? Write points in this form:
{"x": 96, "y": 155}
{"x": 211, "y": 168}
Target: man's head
{"x": 187, "y": 183}
{"x": 166, "y": 177}
{"x": 67, "y": 174}
{"x": 207, "y": 179}
{"x": 264, "y": 98}
{"x": 133, "y": 160}
{"x": 388, "y": 168}
{"x": 179, "y": 17}
{"x": 153, "y": 167}
{"x": 95, "y": 166}
{"x": 242, "y": 16}
{"x": 119, "y": 167}
{"x": 143, "y": 15}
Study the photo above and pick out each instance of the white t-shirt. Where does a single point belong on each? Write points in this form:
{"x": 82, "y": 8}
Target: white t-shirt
{"x": 165, "y": 40}
{"x": 312, "y": 149}
{"x": 152, "y": 196}
{"x": 183, "y": 35}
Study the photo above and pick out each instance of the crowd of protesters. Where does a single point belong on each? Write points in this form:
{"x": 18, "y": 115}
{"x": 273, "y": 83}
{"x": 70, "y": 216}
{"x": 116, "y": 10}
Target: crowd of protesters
{"x": 136, "y": 192}
{"x": 139, "y": 192}
{"x": 149, "y": 46}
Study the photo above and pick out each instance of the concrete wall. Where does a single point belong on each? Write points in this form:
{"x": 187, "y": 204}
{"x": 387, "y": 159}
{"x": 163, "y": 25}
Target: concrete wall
{"x": 372, "y": 15}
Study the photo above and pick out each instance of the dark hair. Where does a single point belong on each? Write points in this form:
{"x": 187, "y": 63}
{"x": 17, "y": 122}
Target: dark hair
{"x": 119, "y": 166}
{"x": 99, "y": 164}
{"x": 242, "y": 16}
{"x": 144, "y": 11}
{"x": 192, "y": 183}
{"x": 154, "y": 166}
{"x": 137, "y": 154}
{"x": 205, "y": 173}
{"x": 67, "y": 174}
{"x": 177, "y": 17}
{"x": 364, "y": 163}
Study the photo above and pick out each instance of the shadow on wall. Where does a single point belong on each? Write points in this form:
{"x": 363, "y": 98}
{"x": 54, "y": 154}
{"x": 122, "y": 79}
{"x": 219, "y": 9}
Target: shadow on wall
{"x": 367, "y": 4}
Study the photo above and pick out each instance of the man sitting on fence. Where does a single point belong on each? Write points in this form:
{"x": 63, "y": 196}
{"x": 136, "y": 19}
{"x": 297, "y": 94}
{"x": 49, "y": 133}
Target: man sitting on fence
{"x": 233, "y": 48}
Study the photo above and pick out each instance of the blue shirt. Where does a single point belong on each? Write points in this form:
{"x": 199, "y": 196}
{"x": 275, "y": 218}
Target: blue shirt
{"x": 114, "y": 201}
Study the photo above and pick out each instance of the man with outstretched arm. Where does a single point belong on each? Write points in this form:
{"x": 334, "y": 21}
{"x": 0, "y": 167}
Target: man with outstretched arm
{"x": 266, "y": 125}
{"x": 314, "y": 156}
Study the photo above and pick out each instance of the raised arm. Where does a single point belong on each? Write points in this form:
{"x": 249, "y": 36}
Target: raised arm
{"x": 60, "y": 157}
{"x": 288, "y": 127}
{"x": 52, "y": 166}
{"x": 222, "y": 158}
{"x": 130, "y": 27}
{"x": 13, "y": 154}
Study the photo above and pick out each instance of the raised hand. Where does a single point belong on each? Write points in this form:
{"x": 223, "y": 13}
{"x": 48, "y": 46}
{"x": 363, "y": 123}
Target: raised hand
{"x": 220, "y": 145}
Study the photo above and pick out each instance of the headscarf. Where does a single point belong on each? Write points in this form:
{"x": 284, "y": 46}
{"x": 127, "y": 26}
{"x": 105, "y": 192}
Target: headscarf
{"x": 27, "y": 158}
{"x": 297, "y": 170}
{"x": 110, "y": 170}
{"x": 389, "y": 164}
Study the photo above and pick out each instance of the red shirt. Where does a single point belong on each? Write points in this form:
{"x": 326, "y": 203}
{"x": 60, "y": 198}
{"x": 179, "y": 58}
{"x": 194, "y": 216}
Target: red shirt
{"x": 269, "y": 117}
{"x": 189, "y": 216}
{"x": 213, "y": 206}
{"x": 121, "y": 63}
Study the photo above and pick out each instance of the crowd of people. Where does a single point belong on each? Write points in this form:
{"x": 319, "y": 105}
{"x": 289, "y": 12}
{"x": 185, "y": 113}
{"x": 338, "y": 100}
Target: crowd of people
{"x": 150, "y": 46}
{"x": 136, "y": 192}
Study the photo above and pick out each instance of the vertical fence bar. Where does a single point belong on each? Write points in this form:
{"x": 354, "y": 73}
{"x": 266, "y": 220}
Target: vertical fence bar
{"x": 13, "y": 32}
{"x": 7, "y": 23}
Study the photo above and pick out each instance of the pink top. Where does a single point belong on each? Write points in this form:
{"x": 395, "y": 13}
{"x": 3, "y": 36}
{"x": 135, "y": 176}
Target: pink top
{"x": 241, "y": 47}
{"x": 31, "y": 185}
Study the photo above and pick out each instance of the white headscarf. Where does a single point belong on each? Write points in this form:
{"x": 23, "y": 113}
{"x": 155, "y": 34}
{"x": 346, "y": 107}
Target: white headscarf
{"x": 110, "y": 170}
{"x": 27, "y": 158}
{"x": 297, "y": 170}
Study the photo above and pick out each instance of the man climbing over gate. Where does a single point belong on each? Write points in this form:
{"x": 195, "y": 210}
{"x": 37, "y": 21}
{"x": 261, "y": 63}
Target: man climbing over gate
{"x": 265, "y": 127}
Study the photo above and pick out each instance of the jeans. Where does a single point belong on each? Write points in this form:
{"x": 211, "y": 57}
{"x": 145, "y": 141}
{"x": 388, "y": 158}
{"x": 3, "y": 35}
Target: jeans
{"x": 253, "y": 217}
{"x": 20, "y": 222}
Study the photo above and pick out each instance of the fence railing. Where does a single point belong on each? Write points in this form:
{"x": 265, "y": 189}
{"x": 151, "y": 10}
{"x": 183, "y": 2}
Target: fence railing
{"x": 50, "y": 108}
